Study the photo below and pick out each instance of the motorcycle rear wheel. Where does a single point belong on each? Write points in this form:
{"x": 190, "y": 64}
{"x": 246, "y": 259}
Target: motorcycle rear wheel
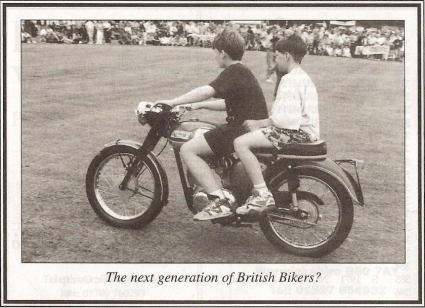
{"x": 133, "y": 207}
{"x": 329, "y": 210}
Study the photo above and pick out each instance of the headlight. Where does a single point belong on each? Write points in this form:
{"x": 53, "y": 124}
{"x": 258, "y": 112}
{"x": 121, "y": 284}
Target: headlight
{"x": 141, "y": 110}
{"x": 143, "y": 107}
{"x": 141, "y": 118}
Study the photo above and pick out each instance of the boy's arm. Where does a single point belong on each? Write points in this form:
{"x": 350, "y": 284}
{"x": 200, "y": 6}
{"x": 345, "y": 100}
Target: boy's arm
{"x": 196, "y": 95}
{"x": 216, "y": 105}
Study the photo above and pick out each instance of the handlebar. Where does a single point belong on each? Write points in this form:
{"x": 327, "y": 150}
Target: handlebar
{"x": 144, "y": 109}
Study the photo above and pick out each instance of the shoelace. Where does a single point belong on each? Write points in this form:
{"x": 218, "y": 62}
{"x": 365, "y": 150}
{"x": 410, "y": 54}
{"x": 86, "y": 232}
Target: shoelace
{"x": 217, "y": 204}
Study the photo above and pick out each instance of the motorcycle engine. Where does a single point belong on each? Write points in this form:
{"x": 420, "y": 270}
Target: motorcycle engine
{"x": 233, "y": 176}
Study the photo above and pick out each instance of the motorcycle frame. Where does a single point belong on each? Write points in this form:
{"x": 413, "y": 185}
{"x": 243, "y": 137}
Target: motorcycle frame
{"x": 287, "y": 166}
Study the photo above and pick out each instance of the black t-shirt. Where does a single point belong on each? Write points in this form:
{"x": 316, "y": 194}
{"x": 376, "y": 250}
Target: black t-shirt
{"x": 274, "y": 41}
{"x": 242, "y": 93}
{"x": 398, "y": 43}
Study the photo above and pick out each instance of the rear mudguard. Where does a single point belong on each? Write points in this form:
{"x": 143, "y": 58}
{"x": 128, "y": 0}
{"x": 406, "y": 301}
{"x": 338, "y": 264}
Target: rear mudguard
{"x": 329, "y": 166}
{"x": 162, "y": 175}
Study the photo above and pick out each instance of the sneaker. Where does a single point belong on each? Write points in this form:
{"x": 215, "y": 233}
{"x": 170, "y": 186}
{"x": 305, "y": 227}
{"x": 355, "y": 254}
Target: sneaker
{"x": 257, "y": 203}
{"x": 217, "y": 208}
{"x": 269, "y": 79}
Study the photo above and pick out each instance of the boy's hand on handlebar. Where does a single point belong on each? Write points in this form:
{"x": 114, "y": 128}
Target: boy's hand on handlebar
{"x": 187, "y": 107}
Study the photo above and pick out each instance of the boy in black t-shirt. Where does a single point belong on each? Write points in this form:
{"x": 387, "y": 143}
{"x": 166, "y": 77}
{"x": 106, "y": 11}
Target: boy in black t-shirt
{"x": 241, "y": 97}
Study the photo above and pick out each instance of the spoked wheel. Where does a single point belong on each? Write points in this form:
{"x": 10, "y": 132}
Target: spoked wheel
{"x": 322, "y": 222}
{"x": 132, "y": 207}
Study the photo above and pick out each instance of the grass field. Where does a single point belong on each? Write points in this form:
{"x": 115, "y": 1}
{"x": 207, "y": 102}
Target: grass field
{"x": 76, "y": 98}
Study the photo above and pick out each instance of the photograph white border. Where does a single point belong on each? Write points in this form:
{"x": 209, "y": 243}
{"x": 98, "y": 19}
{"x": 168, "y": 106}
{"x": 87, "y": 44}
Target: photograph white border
{"x": 64, "y": 281}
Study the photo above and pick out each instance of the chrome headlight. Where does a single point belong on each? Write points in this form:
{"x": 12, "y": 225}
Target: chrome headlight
{"x": 141, "y": 110}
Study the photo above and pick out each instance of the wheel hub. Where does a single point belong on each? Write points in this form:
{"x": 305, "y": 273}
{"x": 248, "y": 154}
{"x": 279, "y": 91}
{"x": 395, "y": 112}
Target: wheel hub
{"x": 305, "y": 217}
{"x": 124, "y": 195}
{"x": 310, "y": 212}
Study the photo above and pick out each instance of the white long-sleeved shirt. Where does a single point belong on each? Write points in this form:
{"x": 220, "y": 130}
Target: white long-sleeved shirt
{"x": 297, "y": 105}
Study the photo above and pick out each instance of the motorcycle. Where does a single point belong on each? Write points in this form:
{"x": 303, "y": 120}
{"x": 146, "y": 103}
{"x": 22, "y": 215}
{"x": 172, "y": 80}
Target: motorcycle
{"x": 127, "y": 186}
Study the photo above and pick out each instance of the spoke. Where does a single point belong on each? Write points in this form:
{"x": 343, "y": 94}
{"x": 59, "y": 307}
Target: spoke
{"x": 106, "y": 180}
{"x": 149, "y": 197}
{"x": 329, "y": 224}
{"x": 102, "y": 187}
{"x": 315, "y": 235}
{"x": 106, "y": 192}
{"x": 138, "y": 193}
{"x": 141, "y": 172}
{"x": 145, "y": 188}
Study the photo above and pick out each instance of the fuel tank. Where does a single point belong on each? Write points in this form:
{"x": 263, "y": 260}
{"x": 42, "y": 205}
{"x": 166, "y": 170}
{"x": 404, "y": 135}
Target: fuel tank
{"x": 188, "y": 130}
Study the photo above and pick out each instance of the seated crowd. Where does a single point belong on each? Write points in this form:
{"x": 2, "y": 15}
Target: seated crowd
{"x": 321, "y": 40}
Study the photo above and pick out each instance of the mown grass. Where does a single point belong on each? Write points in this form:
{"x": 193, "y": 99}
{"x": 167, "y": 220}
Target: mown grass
{"x": 76, "y": 98}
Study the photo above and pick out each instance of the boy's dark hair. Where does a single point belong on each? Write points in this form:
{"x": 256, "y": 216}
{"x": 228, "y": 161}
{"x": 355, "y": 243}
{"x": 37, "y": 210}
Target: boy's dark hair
{"x": 231, "y": 42}
{"x": 294, "y": 45}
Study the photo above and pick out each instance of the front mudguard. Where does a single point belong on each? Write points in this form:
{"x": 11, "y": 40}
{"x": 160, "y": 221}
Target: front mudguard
{"x": 162, "y": 175}
{"x": 328, "y": 166}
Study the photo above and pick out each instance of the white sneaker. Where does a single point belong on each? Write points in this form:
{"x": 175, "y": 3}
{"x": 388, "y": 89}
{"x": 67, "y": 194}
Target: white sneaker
{"x": 217, "y": 208}
{"x": 257, "y": 203}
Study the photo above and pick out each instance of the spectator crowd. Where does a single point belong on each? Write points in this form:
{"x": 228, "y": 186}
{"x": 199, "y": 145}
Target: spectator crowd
{"x": 338, "y": 41}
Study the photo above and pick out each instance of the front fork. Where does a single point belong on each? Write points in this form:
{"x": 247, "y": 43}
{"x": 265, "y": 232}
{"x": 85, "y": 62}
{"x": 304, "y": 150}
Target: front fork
{"x": 187, "y": 189}
{"x": 148, "y": 146}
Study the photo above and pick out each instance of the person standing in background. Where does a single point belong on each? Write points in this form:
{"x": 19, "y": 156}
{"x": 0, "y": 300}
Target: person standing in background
{"x": 90, "y": 31}
{"x": 189, "y": 32}
{"x": 107, "y": 31}
{"x": 353, "y": 43}
{"x": 99, "y": 32}
{"x": 271, "y": 39}
{"x": 143, "y": 35}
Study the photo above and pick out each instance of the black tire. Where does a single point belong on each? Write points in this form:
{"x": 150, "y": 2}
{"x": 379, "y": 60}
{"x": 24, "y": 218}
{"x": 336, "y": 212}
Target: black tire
{"x": 330, "y": 212}
{"x": 105, "y": 173}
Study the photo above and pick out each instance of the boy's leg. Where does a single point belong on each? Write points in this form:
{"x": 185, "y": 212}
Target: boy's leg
{"x": 191, "y": 153}
{"x": 243, "y": 146}
{"x": 262, "y": 198}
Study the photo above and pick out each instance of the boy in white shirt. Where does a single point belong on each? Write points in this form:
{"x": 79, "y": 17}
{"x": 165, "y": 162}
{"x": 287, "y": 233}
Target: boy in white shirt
{"x": 294, "y": 118}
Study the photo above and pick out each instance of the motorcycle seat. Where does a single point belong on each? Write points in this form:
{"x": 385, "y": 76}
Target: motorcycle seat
{"x": 304, "y": 151}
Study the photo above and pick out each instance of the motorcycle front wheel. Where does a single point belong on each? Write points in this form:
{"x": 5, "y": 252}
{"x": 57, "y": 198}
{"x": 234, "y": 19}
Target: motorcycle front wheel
{"x": 135, "y": 206}
{"x": 323, "y": 221}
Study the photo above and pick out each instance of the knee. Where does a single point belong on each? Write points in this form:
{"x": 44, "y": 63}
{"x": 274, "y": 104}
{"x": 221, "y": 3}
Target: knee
{"x": 186, "y": 152}
{"x": 240, "y": 145}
